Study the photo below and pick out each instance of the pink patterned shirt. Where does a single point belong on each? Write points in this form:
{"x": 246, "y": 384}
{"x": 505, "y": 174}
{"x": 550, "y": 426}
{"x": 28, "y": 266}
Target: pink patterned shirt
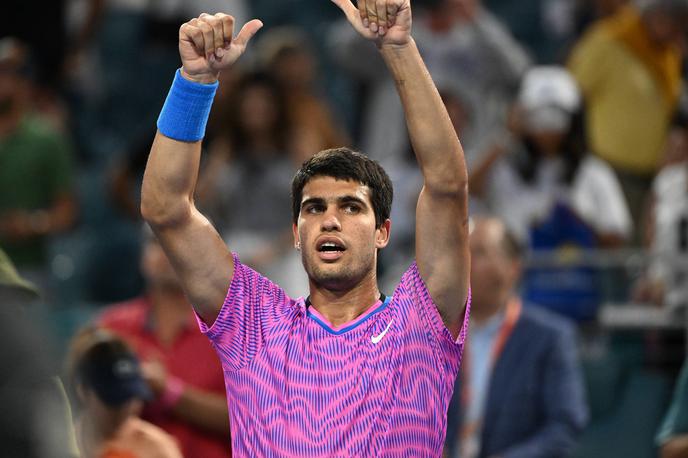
{"x": 296, "y": 386}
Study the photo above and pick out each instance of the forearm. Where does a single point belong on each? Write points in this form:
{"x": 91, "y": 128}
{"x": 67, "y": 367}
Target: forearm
{"x": 172, "y": 169}
{"x": 432, "y": 134}
{"x": 204, "y": 410}
{"x": 169, "y": 180}
{"x": 206, "y": 46}
{"x": 27, "y": 224}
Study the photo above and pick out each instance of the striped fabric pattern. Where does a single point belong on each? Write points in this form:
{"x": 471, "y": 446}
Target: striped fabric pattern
{"x": 296, "y": 386}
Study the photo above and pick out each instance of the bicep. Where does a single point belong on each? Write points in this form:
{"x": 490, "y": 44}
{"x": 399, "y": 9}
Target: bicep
{"x": 442, "y": 252}
{"x": 201, "y": 260}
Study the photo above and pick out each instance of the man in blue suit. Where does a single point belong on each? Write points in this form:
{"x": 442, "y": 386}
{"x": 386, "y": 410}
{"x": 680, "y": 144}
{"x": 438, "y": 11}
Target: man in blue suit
{"x": 520, "y": 393}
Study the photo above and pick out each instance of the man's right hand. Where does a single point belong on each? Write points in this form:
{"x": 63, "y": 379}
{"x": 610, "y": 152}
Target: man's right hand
{"x": 207, "y": 45}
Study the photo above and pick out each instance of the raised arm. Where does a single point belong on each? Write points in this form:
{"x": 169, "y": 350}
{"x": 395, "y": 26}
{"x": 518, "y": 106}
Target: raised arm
{"x": 442, "y": 213}
{"x": 198, "y": 254}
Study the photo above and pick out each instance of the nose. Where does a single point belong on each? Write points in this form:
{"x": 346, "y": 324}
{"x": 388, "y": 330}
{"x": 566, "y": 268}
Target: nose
{"x": 330, "y": 222}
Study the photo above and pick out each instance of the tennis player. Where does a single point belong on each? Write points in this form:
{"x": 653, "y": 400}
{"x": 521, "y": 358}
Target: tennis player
{"x": 344, "y": 370}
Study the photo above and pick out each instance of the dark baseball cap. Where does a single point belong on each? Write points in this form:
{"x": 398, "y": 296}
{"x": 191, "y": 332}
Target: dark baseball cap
{"x": 113, "y": 372}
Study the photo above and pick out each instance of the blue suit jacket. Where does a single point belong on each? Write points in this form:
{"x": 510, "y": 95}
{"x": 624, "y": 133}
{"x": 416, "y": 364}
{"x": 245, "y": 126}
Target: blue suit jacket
{"x": 535, "y": 402}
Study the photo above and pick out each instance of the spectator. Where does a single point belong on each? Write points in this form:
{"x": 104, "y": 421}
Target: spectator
{"x": 459, "y": 41}
{"x": 48, "y": 56}
{"x": 667, "y": 226}
{"x": 108, "y": 389}
{"x": 250, "y": 140}
{"x": 286, "y": 54}
{"x": 36, "y": 200}
{"x": 36, "y": 420}
{"x": 249, "y": 167}
{"x": 552, "y": 194}
{"x": 629, "y": 69}
{"x": 521, "y": 392}
{"x": 179, "y": 363}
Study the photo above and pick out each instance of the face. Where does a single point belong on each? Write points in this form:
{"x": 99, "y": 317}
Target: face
{"x": 156, "y": 267}
{"x": 12, "y": 90}
{"x": 665, "y": 27}
{"x": 493, "y": 272}
{"x": 336, "y": 233}
{"x": 548, "y": 141}
{"x": 296, "y": 69}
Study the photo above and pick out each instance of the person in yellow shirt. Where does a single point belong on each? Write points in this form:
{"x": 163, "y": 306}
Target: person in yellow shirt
{"x": 628, "y": 67}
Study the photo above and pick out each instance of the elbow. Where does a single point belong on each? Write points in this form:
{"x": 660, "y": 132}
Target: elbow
{"x": 164, "y": 212}
{"x": 446, "y": 178}
{"x": 455, "y": 187}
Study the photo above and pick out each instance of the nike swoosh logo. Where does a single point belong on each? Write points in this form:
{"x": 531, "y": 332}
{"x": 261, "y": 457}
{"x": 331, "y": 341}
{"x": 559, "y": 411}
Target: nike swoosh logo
{"x": 377, "y": 338}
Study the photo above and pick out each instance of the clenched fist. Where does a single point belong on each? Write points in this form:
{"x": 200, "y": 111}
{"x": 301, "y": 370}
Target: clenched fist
{"x": 207, "y": 45}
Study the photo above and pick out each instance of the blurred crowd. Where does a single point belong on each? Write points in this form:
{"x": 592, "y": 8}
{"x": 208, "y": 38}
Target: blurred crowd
{"x": 574, "y": 118}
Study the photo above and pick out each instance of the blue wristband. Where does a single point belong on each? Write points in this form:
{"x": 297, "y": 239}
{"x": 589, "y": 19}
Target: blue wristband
{"x": 185, "y": 113}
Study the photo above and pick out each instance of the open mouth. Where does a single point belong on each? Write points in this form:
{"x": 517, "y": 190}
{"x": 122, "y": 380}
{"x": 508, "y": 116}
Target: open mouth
{"x": 330, "y": 250}
{"x": 331, "y": 247}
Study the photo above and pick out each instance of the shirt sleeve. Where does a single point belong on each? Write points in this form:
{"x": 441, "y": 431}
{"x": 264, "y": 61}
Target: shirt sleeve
{"x": 252, "y": 307}
{"x": 599, "y": 200}
{"x": 450, "y": 348}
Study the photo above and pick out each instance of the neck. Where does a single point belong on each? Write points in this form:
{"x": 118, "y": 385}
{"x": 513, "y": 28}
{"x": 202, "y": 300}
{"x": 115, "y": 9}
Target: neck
{"x": 94, "y": 430}
{"x": 340, "y": 307}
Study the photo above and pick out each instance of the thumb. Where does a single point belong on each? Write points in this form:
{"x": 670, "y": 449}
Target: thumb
{"x": 247, "y": 31}
{"x": 347, "y": 7}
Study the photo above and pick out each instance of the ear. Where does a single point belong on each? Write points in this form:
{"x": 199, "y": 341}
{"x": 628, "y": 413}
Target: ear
{"x": 297, "y": 241}
{"x": 382, "y": 234}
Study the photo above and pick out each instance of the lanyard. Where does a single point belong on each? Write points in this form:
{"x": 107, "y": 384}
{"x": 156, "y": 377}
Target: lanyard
{"x": 469, "y": 430}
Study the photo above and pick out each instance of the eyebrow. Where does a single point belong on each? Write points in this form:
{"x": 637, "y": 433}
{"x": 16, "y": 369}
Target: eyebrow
{"x": 351, "y": 199}
{"x": 340, "y": 200}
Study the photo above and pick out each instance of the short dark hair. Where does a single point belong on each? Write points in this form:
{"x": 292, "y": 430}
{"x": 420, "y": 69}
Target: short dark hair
{"x": 345, "y": 164}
